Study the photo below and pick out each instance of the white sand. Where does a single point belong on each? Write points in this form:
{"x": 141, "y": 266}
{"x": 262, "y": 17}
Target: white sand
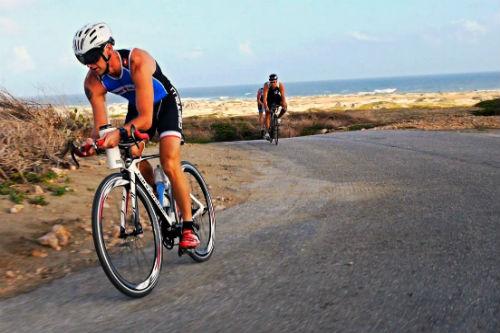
{"x": 242, "y": 107}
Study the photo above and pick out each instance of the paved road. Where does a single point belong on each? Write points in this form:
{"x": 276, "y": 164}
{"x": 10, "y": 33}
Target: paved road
{"x": 356, "y": 232}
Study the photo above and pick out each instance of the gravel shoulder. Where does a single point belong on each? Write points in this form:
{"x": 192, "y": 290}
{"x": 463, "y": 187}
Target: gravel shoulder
{"x": 25, "y": 264}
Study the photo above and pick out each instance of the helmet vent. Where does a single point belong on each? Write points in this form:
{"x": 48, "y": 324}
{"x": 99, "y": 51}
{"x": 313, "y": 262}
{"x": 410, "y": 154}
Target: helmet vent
{"x": 93, "y": 32}
{"x": 93, "y": 39}
{"x": 86, "y": 31}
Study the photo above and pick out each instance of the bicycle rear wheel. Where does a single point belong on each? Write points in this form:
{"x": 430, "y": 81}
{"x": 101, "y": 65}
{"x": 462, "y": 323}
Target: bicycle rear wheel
{"x": 203, "y": 213}
{"x": 129, "y": 247}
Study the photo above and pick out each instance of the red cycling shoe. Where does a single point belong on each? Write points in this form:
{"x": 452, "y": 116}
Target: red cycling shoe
{"x": 189, "y": 239}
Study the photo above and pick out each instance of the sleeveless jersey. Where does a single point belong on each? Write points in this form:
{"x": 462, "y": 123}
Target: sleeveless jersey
{"x": 261, "y": 90}
{"x": 273, "y": 94}
{"x": 125, "y": 87}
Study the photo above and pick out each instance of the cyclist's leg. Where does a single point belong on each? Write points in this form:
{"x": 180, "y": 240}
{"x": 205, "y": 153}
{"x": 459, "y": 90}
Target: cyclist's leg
{"x": 170, "y": 158}
{"x": 268, "y": 119}
{"x": 279, "y": 101}
{"x": 170, "y": 129}
{"x": 261, "y": 117}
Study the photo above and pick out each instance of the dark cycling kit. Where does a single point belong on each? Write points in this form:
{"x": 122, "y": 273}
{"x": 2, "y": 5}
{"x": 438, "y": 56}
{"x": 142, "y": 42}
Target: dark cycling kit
{"x": 167, "y": 109}
{"x": 274, "y": 95}
{"x": 261, "y": 99}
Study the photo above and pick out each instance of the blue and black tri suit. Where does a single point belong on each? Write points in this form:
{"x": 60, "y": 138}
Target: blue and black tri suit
{"x": 167, "y": 109}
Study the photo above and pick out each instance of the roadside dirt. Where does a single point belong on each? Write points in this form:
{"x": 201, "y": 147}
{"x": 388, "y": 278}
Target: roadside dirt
{"x": 25, "y": 263}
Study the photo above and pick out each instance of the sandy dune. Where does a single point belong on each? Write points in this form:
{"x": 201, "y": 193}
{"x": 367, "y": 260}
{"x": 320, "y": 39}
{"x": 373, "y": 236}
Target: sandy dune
{"x": 241, "y": 107}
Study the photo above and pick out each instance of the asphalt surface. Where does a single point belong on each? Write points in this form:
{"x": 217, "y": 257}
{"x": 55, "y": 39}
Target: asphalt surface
{"x": 367, "y": 231}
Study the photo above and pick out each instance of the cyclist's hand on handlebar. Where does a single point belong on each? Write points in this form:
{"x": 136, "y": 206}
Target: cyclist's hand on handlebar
{"x": 110, "y": 140}
{"x": 87, "y": 148}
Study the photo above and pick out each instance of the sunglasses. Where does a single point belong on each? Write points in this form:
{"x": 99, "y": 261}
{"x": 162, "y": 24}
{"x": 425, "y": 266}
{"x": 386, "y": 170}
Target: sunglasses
{"x": 273, "y": 81}
{"x": 91, "y": 57}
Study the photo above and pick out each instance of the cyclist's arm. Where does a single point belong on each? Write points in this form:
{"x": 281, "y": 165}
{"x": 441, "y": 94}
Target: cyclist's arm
{"x": 96, "y": 94}
{"x": 282, "y": 91}
{"x": 142, "y": 69}
{"x": 266, "y": 90}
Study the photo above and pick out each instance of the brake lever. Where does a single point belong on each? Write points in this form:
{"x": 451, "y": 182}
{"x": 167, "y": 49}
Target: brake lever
{"x": 132, "y": 135}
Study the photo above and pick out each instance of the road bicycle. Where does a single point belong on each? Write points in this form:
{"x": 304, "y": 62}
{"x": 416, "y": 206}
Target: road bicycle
{"x": 274, "y": 124}
{"x": 130, "y": 226}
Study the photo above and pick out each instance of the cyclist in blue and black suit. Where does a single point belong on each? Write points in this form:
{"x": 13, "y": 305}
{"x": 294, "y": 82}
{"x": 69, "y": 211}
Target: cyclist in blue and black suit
{"x": 153, "y": 105}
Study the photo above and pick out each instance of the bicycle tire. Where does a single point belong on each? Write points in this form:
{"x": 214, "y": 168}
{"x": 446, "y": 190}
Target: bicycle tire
{"x": 118, "y": 278}
{"x": 276, "y": 129}
{"x": 205, "y": 222}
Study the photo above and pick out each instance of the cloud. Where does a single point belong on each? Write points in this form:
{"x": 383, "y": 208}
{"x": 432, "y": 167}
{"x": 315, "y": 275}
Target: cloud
{"x": 22, "y": 60}
{"x": 195, "y": 53}
{"x": 246, "y": 48}
{"x": 363, "y": 37}
{"x": 8, "y": 26}
{"x": 473, "y": 27}
{"x": 9, "y": 4}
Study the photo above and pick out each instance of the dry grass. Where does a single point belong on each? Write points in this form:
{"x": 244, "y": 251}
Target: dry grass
{"x": 33, "y": 136}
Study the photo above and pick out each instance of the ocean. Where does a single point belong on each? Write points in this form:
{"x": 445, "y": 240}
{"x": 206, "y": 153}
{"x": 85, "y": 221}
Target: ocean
{"x": 426, "y": 83}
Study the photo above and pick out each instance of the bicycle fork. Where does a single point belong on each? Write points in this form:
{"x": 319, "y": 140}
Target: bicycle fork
{"x": 129, "y": 199}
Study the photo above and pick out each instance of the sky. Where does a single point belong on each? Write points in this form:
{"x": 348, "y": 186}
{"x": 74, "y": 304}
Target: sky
{"x": 218, "y": 42}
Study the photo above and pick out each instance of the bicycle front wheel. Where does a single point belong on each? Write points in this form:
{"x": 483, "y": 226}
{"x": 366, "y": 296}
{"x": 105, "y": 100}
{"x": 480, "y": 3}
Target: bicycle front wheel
{"x": 127, "y": 243}
{"x": 203, "y": 213}
{"x": 276, "y": 129}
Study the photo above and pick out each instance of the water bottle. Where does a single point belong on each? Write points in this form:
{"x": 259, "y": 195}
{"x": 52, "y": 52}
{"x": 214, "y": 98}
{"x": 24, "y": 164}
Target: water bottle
{"x": 162, "y": 186}
{"x": 113, "y": 156}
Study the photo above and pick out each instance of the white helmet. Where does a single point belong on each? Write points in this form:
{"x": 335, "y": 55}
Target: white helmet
{"x": 92, "y": 36}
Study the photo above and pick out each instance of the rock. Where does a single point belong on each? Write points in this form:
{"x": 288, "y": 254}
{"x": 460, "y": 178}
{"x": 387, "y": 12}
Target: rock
{"x": 40, "y": 270}
{"x": 50, "y": 239}
{"x": 37, "y": 189}
{"x": 58, "y": 237}
{"x": 219, "y": 207}
{"x": 58, "y": 171}
{"x": 38, "y": 206}
{"x": 16, "y": 209}
{"x": 63, "y": 235}
{"x": 39, "y": 253}
{"x": 72, "y": 167}
{"x": 101, "y": 162}
{"x": 85, "y": 251}
{"x": 10, "y": 274}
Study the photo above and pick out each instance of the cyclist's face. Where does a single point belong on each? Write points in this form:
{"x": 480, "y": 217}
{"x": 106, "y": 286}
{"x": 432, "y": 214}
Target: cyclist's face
{"x": 99, "y": 66}
{"x": 273, "y": 82}
{"x": 94, "y": 60}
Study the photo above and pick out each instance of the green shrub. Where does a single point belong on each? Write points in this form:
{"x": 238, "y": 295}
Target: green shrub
{"x": 16, "y": 197}
{"x": 224, "y": 132}
{"x": 357, "y": 127}
{"x": 38, "y": 200}
{"x": 311, "y": 130}
{"x": 57, "y": 190}
{"x": 5, "y": 188}
{"x": 488, "y": 108}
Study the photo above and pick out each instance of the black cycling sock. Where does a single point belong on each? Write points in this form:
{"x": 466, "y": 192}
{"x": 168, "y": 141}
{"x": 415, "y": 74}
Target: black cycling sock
{"x": 188, "y": 225}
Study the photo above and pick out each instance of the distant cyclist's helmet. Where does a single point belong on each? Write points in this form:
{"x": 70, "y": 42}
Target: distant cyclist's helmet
{"x": 90, "y": 40}
{"x": 273, "y": 77}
